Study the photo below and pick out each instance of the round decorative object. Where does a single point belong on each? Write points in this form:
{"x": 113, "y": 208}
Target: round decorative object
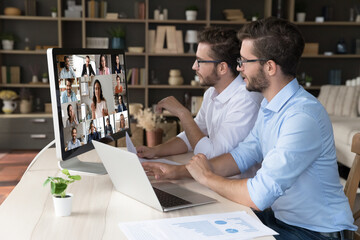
{"x": 175, "y": 73}
{"x": 176, "y": 81}
{"x": 12, "y": 11}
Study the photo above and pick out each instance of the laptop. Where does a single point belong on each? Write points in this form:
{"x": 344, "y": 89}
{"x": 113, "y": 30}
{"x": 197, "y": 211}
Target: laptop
{"x": 129, "y": 178}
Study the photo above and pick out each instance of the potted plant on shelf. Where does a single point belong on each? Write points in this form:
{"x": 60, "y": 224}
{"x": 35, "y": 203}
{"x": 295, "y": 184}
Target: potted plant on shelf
{"x": 191, "y": 12}
{"x": 7, "y": 40}
{"x": 8, "y": 97}
{"x": 53, "y": 12}
{"x": 149, "y": 121}
{"x": 62, "y": 200}
{"x": 300, "y": 9}
{"x": 118, "y": 37}
{"x": 308, "y": 80}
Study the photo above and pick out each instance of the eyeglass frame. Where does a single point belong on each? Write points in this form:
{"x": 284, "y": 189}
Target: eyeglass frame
{"x": 206, "y": 61}
{"x": 241, "y": 62}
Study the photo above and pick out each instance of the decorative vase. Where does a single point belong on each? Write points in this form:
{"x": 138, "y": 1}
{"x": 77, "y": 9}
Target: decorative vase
{"x": 190, "y": 15}
{"x": 25, "y": 106}
{"x": 54, "y": 14}
{"x": 300, "y": 16}
{"x": 8, "y": 44}
{"x": 63, "y": 206}
{"x": 154, "y": 137}
{"x": 9, "y": 106}
{"x": 34, "y": 79}
{"x": 118, "y": 43}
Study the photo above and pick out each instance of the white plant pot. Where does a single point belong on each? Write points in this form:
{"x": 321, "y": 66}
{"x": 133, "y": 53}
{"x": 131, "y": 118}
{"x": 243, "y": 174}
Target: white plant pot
{"x": 63, "y": 206}
{"x": 54, "y": 14}
{"x": 308, "y": 84}
{"x": 8, "y": 44}
{"x": 300, "y": 16}
{"x": 190, "y": 15}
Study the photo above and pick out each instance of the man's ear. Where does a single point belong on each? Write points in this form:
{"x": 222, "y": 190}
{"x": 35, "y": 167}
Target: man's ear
{"x": 271, "y": 68}
{"x": 223, "y": 68}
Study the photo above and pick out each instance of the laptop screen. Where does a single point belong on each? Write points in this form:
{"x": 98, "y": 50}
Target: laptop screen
{"x": 91, "y": 97}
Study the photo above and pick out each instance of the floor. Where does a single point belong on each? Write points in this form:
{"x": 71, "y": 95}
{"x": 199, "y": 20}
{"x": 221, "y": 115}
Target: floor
{"x": 12, "y": 167}
{"x": 14, "y": 164}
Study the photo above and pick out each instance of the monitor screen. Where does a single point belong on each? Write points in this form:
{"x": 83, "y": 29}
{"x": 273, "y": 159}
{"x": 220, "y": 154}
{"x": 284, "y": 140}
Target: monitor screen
{"x": 89, "y": 98}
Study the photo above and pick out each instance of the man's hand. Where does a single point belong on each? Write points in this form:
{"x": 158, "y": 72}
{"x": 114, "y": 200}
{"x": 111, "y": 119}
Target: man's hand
{"x": 199, "y": 168}
{"x": 145, "y": 152}
{"x": 161, "y": 170}
{"x": 173, "y": 106}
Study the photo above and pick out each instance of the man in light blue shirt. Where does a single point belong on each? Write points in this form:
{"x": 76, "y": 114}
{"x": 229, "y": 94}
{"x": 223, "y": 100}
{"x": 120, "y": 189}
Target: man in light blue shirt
{"x": 67, "y": 71}
{"x": 74, "y": 142}
{"x": 297, "y": 190}
{"x": 68, "y": 95}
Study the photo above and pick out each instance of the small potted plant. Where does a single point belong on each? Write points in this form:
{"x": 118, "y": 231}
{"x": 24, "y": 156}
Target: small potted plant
{"x": 308, "y": 81}
{"x": 300, "y": 9}
{"x": 191, "y": 12}
{"x": 118, "y": 37}
{"x": 53, "y": 12}
{"x": 45, "y": 77}
{"x": 62, "y": 200}
{"x": 7, "y": 40}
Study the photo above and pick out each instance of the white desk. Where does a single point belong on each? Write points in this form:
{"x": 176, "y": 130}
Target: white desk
{"x": 28, "y": 211}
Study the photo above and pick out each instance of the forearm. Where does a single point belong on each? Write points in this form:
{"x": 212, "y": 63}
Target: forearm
{"x": 232, "y": 189}
{"x": 191, "y": 129}
{"x": 224, "y": 165}
{"x": 172, "y": 147}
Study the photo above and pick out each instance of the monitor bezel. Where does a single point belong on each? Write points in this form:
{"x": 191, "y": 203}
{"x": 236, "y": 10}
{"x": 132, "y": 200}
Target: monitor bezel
{"x": 56, "y": 94}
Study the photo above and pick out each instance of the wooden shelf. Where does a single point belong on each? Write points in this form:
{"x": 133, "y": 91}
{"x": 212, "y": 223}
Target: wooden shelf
{"x": 120, "y": 20}
{"x": 224, "y": 22}
{"x": 24, "y": 52}
{"x": 29, "y": 18}
{"x": 175, "y": 87}
{"x": 27, "y": 115}
{"x": 25, "y": 85}
{"x": 172, "y": 55}
{"x": 177, "y": 21}
{"x": 136, "y": 86}
{"x": 334, "y": 23}
{"x": 332, "y": 56}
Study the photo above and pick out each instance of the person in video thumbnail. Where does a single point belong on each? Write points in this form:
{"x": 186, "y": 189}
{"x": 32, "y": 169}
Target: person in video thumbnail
{"x": 117, "y": 68}
{"x": 93, "y": 134}
{"x": 108, "y": 128}
{"x": 68, "y": 95}
{"x": 67, "y": 71}
{"x": 98, "y": 106}
{"x": 87, "y": 68}
{"x": 71, "y": 121}
{"x": 121, "y": 106}
{"x": 74, "y": 142}
{"x": 122, "y": 122}
{"x": 103, "y": 69}
{"x": 118, "y": 87}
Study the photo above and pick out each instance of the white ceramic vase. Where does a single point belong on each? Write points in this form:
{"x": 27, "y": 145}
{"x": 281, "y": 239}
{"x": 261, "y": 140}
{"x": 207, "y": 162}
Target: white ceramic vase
{"x": 63, "y": 206}
{"x": 190, "y": 15}
{"x": 25, "y": 106}
{"x": 9, "y": 106}
{"x": 300, "y": 16}
{"x": 8, "y": 44}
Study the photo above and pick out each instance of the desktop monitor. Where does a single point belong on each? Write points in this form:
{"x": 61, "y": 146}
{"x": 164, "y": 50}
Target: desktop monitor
{"x": 89, "y": 98}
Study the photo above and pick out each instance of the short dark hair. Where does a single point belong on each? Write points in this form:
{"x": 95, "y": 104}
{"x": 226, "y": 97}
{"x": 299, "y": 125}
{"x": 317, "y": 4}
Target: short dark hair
{"x": 275, "y": 39}
{"x": 74, "y": 128}
{"x": 65, "y": 57}
{"x": 224, "y": 44}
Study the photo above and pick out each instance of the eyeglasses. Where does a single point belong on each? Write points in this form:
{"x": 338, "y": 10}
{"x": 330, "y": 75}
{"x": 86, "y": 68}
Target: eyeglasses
{"x": 206, "y": 61}
{"x": 241, "y": 62}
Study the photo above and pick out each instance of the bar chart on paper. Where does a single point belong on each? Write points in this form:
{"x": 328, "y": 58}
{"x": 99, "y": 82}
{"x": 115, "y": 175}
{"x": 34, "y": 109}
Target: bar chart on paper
{"x": 234, "y": 225}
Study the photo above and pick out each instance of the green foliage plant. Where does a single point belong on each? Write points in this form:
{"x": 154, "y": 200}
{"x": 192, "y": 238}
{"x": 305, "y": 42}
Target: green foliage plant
{"x": 117, "y": 32}
{"x": 59, "y": 185}
{"x": 192, "y": 8}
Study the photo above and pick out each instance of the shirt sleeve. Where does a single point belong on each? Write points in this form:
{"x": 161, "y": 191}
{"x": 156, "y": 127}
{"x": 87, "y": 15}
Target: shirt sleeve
{"x": 235, "y": 128}
{"x": 299, "y": 144}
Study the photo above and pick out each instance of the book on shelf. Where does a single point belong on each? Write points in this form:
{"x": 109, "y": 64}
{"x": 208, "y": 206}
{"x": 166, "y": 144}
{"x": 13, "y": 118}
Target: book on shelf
{"x": 196, "y": 102}
{"x": 30, "y": 7}
{"x": 103, "y": 9}
{"x": 93, "y": 11}
{"x": 136, "y": 76}
{"x": 141, "y": 10}
{"x": 166, "y": 36}
{"x": 10, "y": 74}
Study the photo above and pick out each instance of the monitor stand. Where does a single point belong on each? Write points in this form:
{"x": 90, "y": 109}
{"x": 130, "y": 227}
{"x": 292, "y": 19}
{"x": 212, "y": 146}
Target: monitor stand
{"x": 74, "y": 165}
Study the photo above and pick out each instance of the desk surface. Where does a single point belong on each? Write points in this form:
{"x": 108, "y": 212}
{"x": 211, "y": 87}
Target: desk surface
{"x": 28, "y": 211}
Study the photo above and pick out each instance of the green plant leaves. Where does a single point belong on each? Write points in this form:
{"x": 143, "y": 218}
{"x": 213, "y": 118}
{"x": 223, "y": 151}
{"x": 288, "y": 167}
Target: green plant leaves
{"x": 59, "y": 185}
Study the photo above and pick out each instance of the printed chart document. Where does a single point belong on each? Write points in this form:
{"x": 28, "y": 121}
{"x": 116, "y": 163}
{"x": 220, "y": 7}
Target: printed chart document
{"x": 226, "y": 226}
{"x": 131, "y": 148}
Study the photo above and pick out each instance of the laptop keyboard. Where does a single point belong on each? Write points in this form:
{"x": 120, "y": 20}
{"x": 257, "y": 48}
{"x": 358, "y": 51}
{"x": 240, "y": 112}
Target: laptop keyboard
{"x": 169, "y": 200}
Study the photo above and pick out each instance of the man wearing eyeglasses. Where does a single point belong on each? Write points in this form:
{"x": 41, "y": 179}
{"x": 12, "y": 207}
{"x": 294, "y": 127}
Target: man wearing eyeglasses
{"x": 228, "y": 111}
{"x": 297, "y": 190}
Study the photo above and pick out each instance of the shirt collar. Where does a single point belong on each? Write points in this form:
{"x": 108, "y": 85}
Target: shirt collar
{"x": 229, "y": 91}
{"x": 281, "y": 97}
